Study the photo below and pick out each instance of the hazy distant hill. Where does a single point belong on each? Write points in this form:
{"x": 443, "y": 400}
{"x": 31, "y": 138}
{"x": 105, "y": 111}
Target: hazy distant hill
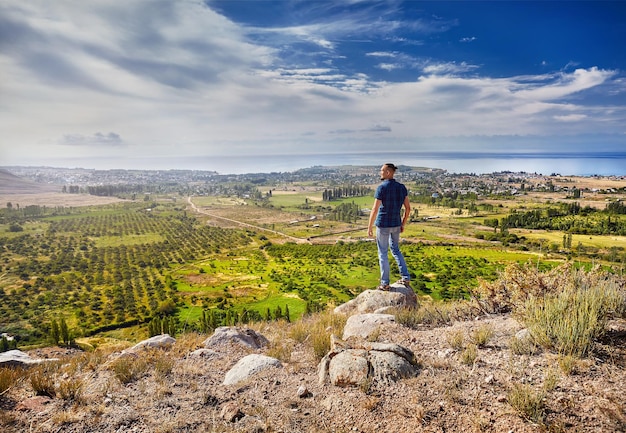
{"x": 11, "y": 184}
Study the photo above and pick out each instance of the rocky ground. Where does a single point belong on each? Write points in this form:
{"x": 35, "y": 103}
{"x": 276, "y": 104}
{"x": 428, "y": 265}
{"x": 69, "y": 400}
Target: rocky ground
{"x": 177, "y": 392}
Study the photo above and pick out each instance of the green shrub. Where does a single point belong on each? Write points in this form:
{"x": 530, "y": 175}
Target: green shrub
{"x": 564, "y": 309}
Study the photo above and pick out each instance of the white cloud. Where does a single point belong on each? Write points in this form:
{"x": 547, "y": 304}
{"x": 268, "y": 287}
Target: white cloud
{"x": 382, "y": 54}
{"x": 448, "y": 68}
{"x": 97, "y": 139}
{"x": 388, "y": 66}
{"x": 178, "y": 78}
{"x": 564, "y": 84}
{"x": 571, "y": 117}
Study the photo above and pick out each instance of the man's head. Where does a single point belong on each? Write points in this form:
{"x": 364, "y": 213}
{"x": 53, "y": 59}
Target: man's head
{"x": 387, "y": 171}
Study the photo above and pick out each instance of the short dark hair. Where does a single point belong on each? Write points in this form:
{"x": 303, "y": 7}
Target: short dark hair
{"x": 390, "y": 166}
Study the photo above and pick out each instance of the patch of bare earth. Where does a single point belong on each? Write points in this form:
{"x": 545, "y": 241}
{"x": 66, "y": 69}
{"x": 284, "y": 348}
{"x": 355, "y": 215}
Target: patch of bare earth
{"x": 448, "y": 395}
{"x": 53, "y": 199}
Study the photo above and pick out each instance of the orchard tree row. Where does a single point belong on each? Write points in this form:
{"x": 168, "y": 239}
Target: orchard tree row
{"x": 69, "y": 270}
{"x": 569, "y": 217}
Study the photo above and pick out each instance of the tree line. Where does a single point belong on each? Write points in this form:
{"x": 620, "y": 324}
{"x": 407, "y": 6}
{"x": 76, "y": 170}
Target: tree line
{"x": 568, "y": 217}
{"x": 345, "y": 191}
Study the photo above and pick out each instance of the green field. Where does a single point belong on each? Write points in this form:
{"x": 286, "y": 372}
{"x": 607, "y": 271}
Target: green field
{"x": 109, "y": 270}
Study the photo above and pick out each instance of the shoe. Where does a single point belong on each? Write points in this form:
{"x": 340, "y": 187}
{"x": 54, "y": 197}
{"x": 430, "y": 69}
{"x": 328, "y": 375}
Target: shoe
{"x": 384, "y": 287}
{"x": 405, "y": 283}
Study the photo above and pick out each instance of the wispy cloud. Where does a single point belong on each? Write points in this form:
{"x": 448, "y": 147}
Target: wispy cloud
{"x": 97, "y": 139}
{"x": 571, "y": 117}
{"x": 180, "y": 77}
{"x": 448, "y": 68}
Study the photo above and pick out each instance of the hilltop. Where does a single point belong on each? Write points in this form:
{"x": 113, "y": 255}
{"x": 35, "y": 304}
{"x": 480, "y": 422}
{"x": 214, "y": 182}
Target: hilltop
{"x": 21, "y": 191}
{"x": 12, "y": 184}
{"x": 178, "y": 392}
{"x": 168, "y": 250}
{"x": 476, "y": 372}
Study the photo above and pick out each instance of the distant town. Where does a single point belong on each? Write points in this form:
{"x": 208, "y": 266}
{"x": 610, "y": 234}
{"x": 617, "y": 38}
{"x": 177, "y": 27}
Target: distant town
{"x": 435, "y": 182}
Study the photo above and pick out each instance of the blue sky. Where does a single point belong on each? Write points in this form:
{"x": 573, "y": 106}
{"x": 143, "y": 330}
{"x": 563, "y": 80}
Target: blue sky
{"x": 167, "y": 84}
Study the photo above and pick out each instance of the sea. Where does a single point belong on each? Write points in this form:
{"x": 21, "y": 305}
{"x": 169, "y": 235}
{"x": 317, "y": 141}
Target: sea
{"x": 565, "y": 164}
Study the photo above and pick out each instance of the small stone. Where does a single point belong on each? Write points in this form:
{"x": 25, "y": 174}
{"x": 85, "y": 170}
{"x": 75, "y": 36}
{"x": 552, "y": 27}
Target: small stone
{"x": 231, "y": 412}
{"x": 445, "y": 353}
{"x": 303, "y": 392}
{"x": 35, "y": 404}
{"x": 489, "y": 379}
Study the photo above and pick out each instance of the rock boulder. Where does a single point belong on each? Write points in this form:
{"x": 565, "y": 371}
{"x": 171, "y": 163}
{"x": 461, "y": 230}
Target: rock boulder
{"x": 226, "y": 335}
{"x": 379, "y": 301}
{"x": 357, "y": 364}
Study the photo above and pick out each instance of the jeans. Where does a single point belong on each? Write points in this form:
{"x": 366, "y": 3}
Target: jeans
{"x": 389, "y": 238}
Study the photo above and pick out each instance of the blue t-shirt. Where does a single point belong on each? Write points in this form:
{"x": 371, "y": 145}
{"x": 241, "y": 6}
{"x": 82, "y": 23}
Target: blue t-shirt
{"x": 392, "y": 195}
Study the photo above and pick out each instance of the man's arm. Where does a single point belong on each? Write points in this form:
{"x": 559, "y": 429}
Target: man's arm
{"x": 373, "y": 214}
{"x": 407, "y": 212}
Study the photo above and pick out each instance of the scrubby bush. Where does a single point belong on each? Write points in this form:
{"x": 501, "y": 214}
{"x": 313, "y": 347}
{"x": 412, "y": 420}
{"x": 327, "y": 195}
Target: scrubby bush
{"x": 565, "y": 309}
{"x": 571, "y": 321}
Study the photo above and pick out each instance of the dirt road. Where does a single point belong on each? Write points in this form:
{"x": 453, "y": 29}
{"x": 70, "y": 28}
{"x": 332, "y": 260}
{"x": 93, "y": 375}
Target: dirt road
{"x": 291, "y": 238}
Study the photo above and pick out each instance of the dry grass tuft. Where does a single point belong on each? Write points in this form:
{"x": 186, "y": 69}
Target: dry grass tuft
{"x": 433, "y": 313}
{"x": 470, "y": 354}
{"x": 318, "y": 329}
{"x": 42, "y": 379}
{"x": 482, "y": 335}
{"x": 162, "y": 363}
{"x": 9, "y": 377}
{"x": 299, "y": 331}
{"x": 370, "y": 403}
{"x": 571, "y": 321}
{"x": 127, "y": 369}
{"x": 280, "y": 350}
{"x": 64, "y": 418}
{"x": 186, "y": 343}
{"x": 528, "y": 403}
{"x": 456, "y": 339}
{"x": 71, "y": 389}
{"x": 522, "y": 346}
{"x": 568, "y": 364}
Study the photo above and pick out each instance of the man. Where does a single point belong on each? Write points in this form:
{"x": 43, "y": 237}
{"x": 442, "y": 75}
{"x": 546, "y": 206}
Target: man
{"x": 390, "y": 196}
